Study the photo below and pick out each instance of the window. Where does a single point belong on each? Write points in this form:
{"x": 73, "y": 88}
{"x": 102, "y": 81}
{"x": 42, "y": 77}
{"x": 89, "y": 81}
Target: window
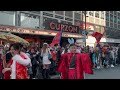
{"x": 107, "y": 24}
{"x": 97, "y": 28}
{"x": 111, "y": 12}
{"x": 97, "y": 14}
{"x": 29, "y": 20}
{"x": 37, "y": 12}
{"x": 59, "y": 12}
{"x": 111, "y": 18}
{"x": 118, "y": 14}
{"x": 68, "y": 19}
{"x": 111, "y": 24}
{"x": 115, "y": 12}
{"x": 47, "y": 14}
{"x": 118, "y": 20}
{"x": 77, "y": 23}
{"x": 69, "y": 13}
{"x": 49, "y": 11}
{"x": 102, "y": 29}
{"x": 115, "y": 19}
{"x": 91, "y": 13}
{"x": 115, "y": 25}
{"x": 7, "y": 18}
{"x": 118, "y": 26}
{"x": 59, "y": 17}
{"x": 107, "y": 17}
{"x": 102, "y": 14}
{"x": 107, "y": 12}
{"x": 77, "y": 16}
{"x": 78, "y": 12}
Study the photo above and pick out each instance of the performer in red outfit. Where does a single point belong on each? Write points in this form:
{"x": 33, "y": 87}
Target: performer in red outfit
{"x": 73, "y": 65}
{"x": 17, "y": 65}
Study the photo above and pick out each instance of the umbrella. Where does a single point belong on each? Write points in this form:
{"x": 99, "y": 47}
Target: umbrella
{"x": 12, "y": 38}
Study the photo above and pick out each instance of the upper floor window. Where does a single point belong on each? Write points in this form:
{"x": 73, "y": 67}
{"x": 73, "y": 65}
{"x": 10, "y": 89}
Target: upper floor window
{"x": 102, "y": 15}
{"x": 97, "y": 14}
{"x": 69, "y": 13}
{"x": 59, "y": 12}
{"x": 29, "y": 20}
{"x": 7, "y": 18}
{"x": 91, "y": 13}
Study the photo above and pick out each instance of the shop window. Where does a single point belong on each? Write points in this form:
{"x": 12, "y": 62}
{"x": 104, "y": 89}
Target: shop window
{"x": 7, "y": 18}
{"x": 29, "y": 20}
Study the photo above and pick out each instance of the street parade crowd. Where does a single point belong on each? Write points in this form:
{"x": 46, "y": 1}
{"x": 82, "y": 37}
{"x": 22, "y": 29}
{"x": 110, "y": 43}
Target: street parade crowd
{"x": 72, "y": 61}
{"x": 19, "y": 61}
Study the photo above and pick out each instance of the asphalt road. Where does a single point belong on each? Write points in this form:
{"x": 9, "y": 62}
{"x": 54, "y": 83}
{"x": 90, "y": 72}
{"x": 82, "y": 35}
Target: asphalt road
{"x": 103, "y": 73}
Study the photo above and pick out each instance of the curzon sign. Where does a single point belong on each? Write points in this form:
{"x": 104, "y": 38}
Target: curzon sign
{"x": 64, "y": 27}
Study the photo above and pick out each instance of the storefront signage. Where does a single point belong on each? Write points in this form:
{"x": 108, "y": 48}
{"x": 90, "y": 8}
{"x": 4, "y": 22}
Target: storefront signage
{"x": 64, "y": 27}
{"x": 33, "y": 31}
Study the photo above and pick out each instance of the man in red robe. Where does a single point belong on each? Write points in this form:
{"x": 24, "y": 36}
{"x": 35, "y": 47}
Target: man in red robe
{"x": 73, "y": 65}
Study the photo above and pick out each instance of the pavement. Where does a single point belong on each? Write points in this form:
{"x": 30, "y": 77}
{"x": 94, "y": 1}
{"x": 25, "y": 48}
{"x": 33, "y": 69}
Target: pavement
{"x": 103, "y": 73}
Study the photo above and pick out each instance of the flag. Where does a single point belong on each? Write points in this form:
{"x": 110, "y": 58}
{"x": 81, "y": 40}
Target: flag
{"x": 97, "y": 36}
{"x": 57, "y": 39}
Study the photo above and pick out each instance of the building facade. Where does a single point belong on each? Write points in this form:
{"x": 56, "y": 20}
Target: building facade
{"x": 36, "y": 26}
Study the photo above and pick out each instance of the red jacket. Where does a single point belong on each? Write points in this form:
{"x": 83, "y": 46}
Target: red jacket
{"x": 83, "y": 64}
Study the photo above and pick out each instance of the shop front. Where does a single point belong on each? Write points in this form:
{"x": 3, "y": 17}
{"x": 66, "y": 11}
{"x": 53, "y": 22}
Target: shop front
{"x": 38, "y": 36}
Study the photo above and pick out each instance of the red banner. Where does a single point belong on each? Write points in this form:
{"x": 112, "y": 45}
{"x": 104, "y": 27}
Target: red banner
{"x": 56, "y": 39}
{"x": 97, "y": 36}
